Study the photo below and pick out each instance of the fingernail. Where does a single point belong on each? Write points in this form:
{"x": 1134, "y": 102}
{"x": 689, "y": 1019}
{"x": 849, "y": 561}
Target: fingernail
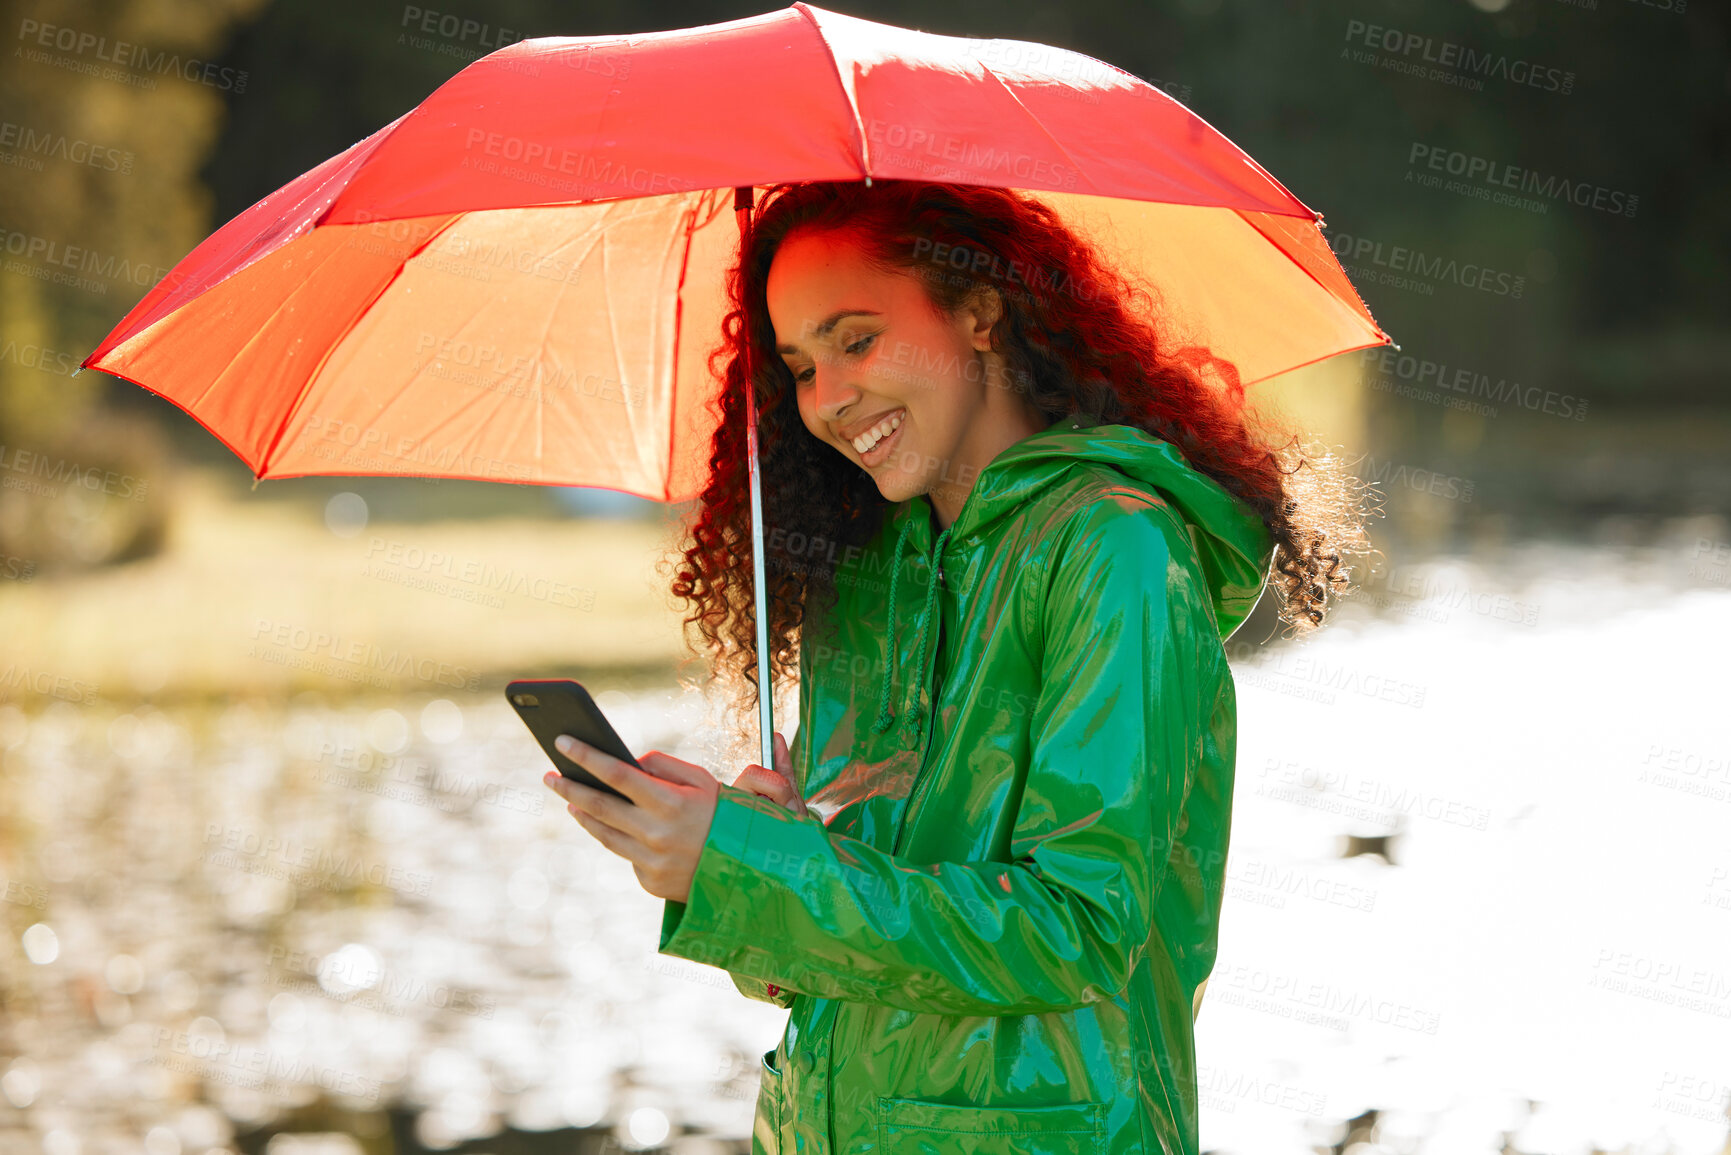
{"x": 549, "y": 777}
{"x": 564, "y": 744}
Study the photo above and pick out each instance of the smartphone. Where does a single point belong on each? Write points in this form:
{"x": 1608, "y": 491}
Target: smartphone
{"x": 556, "y": 706}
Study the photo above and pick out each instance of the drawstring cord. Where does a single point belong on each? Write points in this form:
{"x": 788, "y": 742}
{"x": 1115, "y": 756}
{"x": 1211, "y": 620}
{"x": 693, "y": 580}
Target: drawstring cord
{"x": 884, "y": 717}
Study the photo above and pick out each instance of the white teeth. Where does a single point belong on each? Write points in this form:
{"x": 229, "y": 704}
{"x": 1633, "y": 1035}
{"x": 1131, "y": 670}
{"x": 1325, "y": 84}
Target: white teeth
{"x": 864, "y": 442}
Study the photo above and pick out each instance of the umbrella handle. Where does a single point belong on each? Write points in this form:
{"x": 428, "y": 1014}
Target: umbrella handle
{"x": 742, "y": 198}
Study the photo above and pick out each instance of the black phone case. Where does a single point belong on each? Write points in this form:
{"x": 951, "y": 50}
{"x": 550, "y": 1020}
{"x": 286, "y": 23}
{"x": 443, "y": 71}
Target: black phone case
{"x": 558, "y": 706}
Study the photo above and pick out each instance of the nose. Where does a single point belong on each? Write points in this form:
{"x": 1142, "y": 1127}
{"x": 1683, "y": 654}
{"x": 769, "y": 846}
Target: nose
{"x": 832, "y": 392}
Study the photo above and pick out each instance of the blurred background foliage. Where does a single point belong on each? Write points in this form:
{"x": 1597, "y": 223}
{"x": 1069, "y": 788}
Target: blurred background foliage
{"x": 1626, "y": 311}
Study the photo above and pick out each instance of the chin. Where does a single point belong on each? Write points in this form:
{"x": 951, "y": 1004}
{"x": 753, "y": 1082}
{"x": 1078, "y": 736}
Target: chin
{"x": 896, "y": 485}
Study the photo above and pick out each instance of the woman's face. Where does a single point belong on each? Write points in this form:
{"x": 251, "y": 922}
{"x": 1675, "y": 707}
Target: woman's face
{"x": 868, "y": 348}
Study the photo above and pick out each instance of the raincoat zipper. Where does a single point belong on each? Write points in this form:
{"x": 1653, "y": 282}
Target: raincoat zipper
{"x": 931, "y": 724}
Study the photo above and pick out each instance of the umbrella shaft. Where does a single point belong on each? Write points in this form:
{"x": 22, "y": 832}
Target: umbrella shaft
{"x": 765, "y": 704}
{"x": 742, "y": 198}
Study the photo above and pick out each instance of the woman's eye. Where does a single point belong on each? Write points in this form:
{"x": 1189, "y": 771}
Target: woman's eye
{"x": 854, "y": 350}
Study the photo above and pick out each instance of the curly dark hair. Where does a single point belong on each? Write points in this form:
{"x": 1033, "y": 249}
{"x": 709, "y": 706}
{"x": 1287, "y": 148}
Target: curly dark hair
{"x": 1078, "y": 336}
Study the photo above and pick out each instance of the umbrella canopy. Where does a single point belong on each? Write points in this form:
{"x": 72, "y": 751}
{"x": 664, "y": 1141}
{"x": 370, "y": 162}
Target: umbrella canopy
{"x": 522, "y": 278}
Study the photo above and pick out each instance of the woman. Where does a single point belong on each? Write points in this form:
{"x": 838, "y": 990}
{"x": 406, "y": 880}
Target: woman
{"x": 1010, "y": 529}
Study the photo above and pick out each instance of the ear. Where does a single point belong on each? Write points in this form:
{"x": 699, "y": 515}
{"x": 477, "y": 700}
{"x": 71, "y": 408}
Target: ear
{"x": 982, "y": 313}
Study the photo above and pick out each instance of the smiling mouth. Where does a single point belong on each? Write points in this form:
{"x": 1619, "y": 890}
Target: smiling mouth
{"x": 879, "y": 452}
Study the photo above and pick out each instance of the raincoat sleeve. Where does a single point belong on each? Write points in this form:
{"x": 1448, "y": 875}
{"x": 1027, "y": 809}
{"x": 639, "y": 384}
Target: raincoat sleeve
{"x": 1063, "y": 923}
{"x": 760, "y": 990}
{"x": 673, "y": 913}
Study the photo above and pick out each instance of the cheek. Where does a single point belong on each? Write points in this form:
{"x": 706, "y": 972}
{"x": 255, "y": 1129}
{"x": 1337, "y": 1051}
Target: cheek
{"x": 808, "y": 417}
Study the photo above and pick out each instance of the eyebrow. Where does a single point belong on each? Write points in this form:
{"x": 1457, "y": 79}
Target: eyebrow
{"x": 828, "y": 323}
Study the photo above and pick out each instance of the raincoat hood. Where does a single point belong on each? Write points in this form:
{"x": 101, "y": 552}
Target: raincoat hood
{"x": 1231, "y": 541}
{"x": 1230, "y": 538}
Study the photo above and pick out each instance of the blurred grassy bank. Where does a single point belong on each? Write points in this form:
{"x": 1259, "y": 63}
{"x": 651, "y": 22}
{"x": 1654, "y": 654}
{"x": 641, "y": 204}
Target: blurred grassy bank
{"x": 253, "y": 597}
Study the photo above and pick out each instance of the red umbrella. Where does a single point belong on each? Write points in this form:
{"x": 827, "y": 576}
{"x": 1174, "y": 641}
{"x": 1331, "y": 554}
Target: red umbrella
{"x": 521, "y": 278}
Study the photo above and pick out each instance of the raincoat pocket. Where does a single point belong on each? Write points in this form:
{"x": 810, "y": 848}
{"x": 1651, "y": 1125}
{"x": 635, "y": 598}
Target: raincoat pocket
{"x": 766, "y": 1125}
{"x": 918, "y": 1127}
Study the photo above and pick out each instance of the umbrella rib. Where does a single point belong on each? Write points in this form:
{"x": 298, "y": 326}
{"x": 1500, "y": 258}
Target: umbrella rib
{"x": 541, "y": 390}
{"x": 1305, "y": 269}
{"x": 1008, "y": 91}
{"x": 331, "y": 348}
{"x": 853, "y": 105}
{"x": 678, "y": 334}
{"x": 1246, "y": 157}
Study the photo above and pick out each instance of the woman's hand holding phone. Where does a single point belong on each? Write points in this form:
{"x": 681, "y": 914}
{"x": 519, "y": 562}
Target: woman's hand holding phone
{"x": 661, "y": 830}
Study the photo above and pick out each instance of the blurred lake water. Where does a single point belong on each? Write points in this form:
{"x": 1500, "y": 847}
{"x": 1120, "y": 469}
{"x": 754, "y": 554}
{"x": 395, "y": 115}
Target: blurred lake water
{"x": 1479, "y": 900}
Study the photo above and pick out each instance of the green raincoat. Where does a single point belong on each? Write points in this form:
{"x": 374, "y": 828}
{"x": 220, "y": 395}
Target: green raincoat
{"x": 991, "y": 925}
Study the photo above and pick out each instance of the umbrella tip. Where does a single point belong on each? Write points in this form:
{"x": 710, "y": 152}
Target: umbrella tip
{"x": 868, "y": 182}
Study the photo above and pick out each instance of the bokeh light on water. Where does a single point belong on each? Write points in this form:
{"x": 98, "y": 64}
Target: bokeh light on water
{"x": 354, "y": 904}
{"x": 1489, "y": 900}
